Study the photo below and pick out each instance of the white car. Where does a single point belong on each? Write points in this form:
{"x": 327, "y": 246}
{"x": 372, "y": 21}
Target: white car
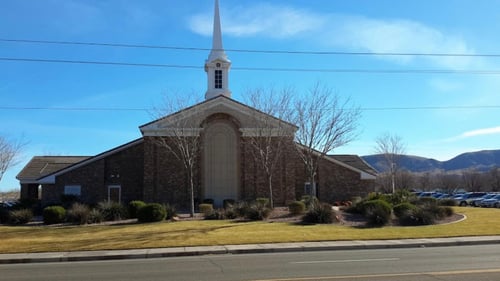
{"x": 492, "y": 202}
{"x": 477, "y": 202}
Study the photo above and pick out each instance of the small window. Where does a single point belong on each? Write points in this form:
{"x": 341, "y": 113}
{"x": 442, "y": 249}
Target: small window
{"x": 73, "y": 190}
{"x": 218, "y": 79}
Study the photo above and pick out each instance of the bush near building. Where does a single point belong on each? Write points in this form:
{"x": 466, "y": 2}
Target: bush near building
{"x": 54, "y": 214}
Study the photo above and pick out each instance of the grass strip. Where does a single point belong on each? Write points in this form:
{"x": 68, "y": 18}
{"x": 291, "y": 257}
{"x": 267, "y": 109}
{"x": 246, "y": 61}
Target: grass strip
{"x": 29, "y": 239}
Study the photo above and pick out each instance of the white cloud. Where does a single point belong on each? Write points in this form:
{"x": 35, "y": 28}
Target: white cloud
{"x": 475, "y": 133}
{"x": 260, "y": 20}
{"x": 400, "y": 36}
{"x": 353, "y": 32}
{"x": 481, "y": 132}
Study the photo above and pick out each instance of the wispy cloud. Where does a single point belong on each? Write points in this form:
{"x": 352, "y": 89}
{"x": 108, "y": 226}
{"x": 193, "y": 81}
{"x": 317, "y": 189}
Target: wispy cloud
{"x": 481, "y": 132}
{"x": 273, "y": 21}
{"x": 352, "y": 32}
{"x": 475, "y": 133}
{"x": 400, "y": 36}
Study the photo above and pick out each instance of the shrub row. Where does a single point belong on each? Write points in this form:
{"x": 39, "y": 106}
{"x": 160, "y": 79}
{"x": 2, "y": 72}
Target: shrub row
{"x": 106, "y": 211}
{"x": 254, "y": 210}
{"x": 408, "y": 209}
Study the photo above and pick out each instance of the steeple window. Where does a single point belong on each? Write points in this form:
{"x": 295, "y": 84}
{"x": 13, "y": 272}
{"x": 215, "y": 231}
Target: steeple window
{"x": 218, "y": 79}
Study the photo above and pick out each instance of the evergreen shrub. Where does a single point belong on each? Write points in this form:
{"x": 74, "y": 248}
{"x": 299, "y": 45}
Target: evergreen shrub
{"x": 151, "y": 212}
{"x": 206, "y": 208}
{"x": 403, "y": 208}
{"x": 54, "y": 214}
{"x": 297, "y": 207}
{"x": 378, "y": 212}
{"x": 133, "y": 207}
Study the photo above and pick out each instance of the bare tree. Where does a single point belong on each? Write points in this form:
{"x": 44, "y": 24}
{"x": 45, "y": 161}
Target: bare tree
{"x": 325, "y": 122}
{"x": 448, "y": 183}
{"x": 472, "y": 180}
{"x": 406, "y": 180}
{"x": 9, "y": 153}
{"x": 180, "y": 136}
{"x": 494, "y": 176}
{"x": 392, "y": 148}
{"x": 271, "y": 134}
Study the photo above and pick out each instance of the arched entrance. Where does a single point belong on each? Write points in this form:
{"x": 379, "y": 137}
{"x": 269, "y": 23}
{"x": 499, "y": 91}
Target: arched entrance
{"x": 220, "y": 162}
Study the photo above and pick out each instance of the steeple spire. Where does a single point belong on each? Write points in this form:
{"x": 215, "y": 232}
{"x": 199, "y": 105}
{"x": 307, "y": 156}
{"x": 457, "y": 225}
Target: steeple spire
{"x": 217, "y": 65}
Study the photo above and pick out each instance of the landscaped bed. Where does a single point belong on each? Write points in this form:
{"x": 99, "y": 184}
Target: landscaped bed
{"x": 188, "y": 232}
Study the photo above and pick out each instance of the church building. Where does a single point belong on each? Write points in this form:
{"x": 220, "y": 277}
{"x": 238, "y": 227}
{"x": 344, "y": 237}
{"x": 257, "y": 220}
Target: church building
{"x": 216, "y": 136}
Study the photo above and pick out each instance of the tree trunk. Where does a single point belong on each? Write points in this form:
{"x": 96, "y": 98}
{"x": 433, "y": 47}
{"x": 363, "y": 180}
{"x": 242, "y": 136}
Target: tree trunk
{"x": 192, "y": 192}
{"x": 269, "y": 180}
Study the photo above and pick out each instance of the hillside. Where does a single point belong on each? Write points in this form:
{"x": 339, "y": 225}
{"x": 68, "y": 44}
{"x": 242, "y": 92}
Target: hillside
{"x": 481, "y": 160}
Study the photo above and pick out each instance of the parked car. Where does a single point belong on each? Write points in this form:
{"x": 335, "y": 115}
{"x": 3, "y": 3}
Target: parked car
{"x": 443, "y": 196}
{"x": 426, "y": 194}
{"x": 466, "y": 198}
{"x": 477, "y": 202}
{"x": 492, "y": 202}
{"x": 7, "y": 204}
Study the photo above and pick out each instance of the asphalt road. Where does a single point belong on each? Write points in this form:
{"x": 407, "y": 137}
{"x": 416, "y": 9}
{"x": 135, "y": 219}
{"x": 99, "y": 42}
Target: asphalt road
{"x": 477, "y": 263}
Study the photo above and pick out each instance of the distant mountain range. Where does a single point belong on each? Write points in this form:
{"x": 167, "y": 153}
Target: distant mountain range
{"x": 482, "y": 160}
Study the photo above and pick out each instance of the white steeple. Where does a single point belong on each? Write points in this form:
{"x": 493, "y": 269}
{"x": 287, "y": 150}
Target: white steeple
{"x": 217, "y": 65}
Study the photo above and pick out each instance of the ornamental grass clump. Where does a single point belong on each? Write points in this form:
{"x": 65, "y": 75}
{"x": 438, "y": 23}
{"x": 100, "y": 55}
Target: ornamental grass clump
{"x": 78, "y": 213}
{"x": 112, "y": 211}
{"x": 21, "y": 216}
{"x": 321, "y": 213}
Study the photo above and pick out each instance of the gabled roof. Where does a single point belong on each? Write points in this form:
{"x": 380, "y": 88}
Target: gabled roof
{"x": 366, "y": 172}
{"x": 40, "y": 166}
{"x": 50, "y": 178}
{"x": 355, "y": 161}
{"x": 196, "y": 114}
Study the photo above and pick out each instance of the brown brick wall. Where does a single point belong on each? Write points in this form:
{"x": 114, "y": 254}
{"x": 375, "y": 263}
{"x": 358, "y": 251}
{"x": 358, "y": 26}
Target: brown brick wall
{"x": 165, "y": 178}
{"x": 254, "y": 179}
{"x": 151, "y": 173}
{"x": 337, "y": 183}
{"x": 124, "y": 168}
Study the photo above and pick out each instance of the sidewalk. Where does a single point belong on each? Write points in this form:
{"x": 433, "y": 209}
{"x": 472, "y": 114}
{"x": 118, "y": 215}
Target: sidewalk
{"x": 243, "y": 249}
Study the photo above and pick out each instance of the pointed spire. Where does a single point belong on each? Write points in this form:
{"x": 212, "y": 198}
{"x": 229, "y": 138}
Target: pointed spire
{"x": 217, "y": 65}
{"x": 217, "y": 48}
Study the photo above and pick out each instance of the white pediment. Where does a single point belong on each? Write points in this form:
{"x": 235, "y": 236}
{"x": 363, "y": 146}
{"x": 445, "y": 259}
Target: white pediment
{"x": 189, "y": 121}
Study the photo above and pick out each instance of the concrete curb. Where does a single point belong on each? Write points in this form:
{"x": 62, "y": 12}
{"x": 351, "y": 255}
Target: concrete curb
{"x": 243, "y": 249}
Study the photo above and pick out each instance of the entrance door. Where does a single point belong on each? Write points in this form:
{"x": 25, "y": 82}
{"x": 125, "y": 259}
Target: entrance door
{"x": 114, "y": 193}
{"x": 220, "y": 162}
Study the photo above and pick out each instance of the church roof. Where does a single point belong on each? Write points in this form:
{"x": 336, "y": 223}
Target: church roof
{"x": 194, "y": 116}
{"x": 40, "y": 166}
{"x": 356, "y": 162}
{"x": 49, "y": 178}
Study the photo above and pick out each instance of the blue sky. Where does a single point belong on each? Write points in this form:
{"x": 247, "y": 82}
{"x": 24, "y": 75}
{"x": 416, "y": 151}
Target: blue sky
{"x": 438, "y": 115}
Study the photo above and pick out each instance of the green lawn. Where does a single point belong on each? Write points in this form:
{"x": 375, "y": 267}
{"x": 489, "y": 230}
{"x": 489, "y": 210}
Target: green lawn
{"x": 198, "y": 233}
